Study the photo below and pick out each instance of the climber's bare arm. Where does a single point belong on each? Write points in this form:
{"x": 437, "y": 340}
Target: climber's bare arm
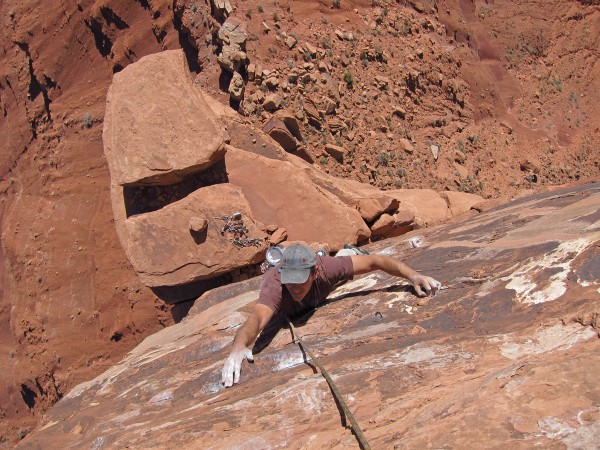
{"x": 423, "y": 284}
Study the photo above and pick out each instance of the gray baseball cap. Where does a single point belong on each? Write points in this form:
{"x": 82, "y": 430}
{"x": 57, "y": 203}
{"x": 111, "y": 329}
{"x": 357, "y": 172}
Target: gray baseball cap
{"x": 296, "y": 262}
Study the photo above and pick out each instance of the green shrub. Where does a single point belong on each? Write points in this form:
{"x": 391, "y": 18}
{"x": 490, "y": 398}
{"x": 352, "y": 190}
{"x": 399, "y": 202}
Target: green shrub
{"x": 349, "y": 79}
{"x": 383, "y": 159}
{"x": 87, "y": 120}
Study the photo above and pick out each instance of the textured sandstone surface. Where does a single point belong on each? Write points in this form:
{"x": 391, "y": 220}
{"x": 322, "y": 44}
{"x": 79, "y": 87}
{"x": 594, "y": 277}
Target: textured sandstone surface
{"x": 165, "y": 251}
{"x": 279, "y": 193}
{"x": 504, "y": 89}
{"x": 157, "y": 127}
{"x": 504, "y": 357}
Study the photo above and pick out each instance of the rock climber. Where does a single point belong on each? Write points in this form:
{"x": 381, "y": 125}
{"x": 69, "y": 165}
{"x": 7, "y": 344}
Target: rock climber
{"x": 302, "y": 281}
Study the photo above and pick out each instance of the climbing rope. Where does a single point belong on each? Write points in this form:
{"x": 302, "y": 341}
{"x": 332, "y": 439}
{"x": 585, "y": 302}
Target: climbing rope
{"x": 362, "y": 440}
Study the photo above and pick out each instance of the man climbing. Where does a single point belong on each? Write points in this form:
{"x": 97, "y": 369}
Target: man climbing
{"x": 303, "y": 281}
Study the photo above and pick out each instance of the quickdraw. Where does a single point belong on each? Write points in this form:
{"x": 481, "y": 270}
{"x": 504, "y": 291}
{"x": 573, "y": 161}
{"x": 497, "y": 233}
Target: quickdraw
{"x": 234, "y": 224}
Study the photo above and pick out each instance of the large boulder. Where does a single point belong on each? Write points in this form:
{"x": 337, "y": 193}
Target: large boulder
{"x": 393, "y": 225}
{"x": 279, "y": 132}
{"x": 459, "y": 202}
{"x": 428, "y": 206}
{"x": 281, "y": 194}
{"x": 165, "y": 249}
{"x": 284, "y": 128}
{"x": 157, "y": 128}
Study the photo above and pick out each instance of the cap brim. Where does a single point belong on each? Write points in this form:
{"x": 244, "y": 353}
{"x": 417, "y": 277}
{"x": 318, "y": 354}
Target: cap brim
{"x": 294, "y": 276}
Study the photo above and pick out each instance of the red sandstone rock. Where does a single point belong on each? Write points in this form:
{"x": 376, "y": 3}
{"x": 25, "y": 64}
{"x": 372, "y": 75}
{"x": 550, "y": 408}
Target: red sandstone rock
{"x": 404, "y": 217}
{"x": 372, "y": 207}
{"x": 278, "y": 236}
{"x": 503, "y": 344}
{"x": 59, "y": 248}
{"x": 163, "y": 252}
{"x": 198, "y": 225}
{"x": 279, "y": 132}
{"x": 336, "y": 151}
{"x": 460, "y": 202}
{"x": 389, "y": 226}
{"x": 427, "y": 205}
{"x": 278, "y": 192}
{"x": 164, "y": 142}
{"x": 530, "y": 165}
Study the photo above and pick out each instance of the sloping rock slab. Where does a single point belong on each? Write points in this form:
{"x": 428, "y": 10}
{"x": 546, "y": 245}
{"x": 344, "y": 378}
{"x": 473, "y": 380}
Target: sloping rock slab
{"x": 164, "y": 251}
{"x": 157, "y": 128}
{"x": 505, "y": 357}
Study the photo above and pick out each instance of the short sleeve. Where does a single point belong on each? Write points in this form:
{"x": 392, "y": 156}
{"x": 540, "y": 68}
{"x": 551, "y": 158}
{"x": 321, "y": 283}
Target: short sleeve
{"x": 271, "y": 290}
{"x": 337, "y": 269}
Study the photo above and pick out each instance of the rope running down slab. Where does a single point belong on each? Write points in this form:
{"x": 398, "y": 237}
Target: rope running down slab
{"x": 355, "y": 427}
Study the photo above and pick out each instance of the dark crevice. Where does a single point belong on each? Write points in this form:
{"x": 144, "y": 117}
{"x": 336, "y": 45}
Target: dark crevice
{"x": 189, "y": 291}
{"x": 145, "y": 4}
{"x": 234, "y": 104}
{"x": 225, "y": 80}
{"x": 180, "y": 310}
{"x": 160, "y": 34}
{"x": 103, "y": 42}
{"x": 116, "y": 336}
{"x": 117, "y": 68}
{"x": 49, "y": 82}
{"x": 28, "y": 395}
{"x": 112, "y": 18}
{"x": 186, "y": 39}
{"x": 193, "y": 290}
{"x": 35, "y": 89}
{"x": 144, "y": 199}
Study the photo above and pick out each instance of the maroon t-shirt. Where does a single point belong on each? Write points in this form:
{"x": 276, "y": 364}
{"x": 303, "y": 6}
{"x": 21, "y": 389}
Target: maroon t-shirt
{"x": 331, "y": 270}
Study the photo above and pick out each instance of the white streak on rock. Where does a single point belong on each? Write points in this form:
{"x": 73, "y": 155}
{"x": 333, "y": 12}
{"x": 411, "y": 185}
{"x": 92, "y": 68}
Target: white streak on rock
{"x": 553, "y": 428}
{"x": 309, "y": 393}
{"x": 558, "y": 337}
{"x": 107, "y": 388}
{"x": 161, "y": 397}
{"x": 586, "y": 283}
{"x": 232, "y": 321}
{"x": 288, "y": 359}
{"x": 433, "y": 356}
{"x": 416, "y": 242}
{"x": 354, "y": 286}
{"x": 528, "y": 291}
{"x": 127, "y": 415}
{"x": 399, "y": 297}
{"x": 387, "y": 251}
